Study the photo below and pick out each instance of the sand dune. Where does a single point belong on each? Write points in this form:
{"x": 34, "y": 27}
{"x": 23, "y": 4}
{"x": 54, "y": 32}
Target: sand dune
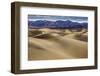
{"x": 56, "y": 47}
{"x": 78, "y": 36}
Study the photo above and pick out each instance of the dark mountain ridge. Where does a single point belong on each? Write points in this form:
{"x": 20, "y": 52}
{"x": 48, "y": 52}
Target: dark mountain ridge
{"x": 68, "y": 24}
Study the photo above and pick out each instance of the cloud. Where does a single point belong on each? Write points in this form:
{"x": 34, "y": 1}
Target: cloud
{"x": 54, "y": 18}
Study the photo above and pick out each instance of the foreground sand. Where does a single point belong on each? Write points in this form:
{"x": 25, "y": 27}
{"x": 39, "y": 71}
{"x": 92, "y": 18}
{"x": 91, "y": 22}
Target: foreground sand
{"x": 56, "y": 47}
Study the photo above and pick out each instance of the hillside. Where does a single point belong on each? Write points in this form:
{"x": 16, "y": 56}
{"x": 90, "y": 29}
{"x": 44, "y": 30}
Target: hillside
{"x": 57, "y": 24}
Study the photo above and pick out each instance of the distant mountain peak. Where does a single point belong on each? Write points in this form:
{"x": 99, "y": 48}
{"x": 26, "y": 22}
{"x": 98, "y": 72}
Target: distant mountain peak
{"x": 57, "y": 24}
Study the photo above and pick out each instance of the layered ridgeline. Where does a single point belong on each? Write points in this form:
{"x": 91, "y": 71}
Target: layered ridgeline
{"x": 68, "y": 24}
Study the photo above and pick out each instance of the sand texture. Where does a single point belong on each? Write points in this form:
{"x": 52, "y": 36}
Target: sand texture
{"x": 49, "y": 44}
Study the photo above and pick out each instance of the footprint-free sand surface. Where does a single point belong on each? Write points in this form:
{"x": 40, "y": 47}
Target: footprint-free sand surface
{"x": 53, "y": 46}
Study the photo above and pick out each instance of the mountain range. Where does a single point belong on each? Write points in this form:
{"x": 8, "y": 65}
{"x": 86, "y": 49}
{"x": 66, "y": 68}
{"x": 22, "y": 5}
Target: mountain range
{"x": 57, "y": 24}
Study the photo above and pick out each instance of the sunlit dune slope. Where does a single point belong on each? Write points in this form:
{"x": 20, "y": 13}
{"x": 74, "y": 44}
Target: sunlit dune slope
{"x": 53, "y": 46}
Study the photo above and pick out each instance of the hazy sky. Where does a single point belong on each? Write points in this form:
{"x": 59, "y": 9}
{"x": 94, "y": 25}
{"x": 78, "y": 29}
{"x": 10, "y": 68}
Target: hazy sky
{"x": 54, "y": 18}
